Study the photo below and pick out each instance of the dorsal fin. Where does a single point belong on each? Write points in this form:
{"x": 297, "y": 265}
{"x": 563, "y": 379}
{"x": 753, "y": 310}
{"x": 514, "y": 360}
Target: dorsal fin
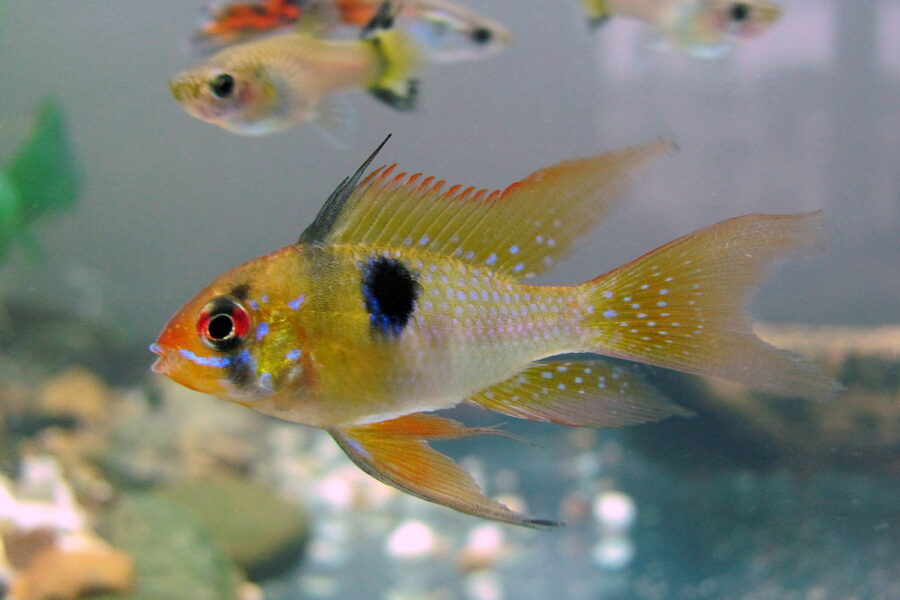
{"x": 520, "y": 231}
{"x": 317, "y": 18}
{"x": 319, "y": 229}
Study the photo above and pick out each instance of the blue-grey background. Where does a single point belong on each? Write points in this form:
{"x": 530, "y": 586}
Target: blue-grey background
{"x": 805, "y": 117}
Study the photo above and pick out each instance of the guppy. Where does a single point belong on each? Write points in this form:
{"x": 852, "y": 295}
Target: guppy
{"x": 273, "y": 84}
{"x": 448, "y": 32}
{"x": 404, "y": 297}
{"x": 699, "y": 28}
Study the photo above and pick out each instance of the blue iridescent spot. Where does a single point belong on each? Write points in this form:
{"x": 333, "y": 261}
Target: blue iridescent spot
{"x": 253, "y": 304}
{"x": 491, "y": 259}
{"x": 261, "y": 330}
{"x": 206, "y": 361}
{"x": 297, "y": 302}
{"x": 294, "y": 354}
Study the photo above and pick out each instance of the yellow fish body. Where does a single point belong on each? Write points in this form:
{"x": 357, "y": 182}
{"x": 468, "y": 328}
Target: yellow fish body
{"x": 273, "y": 84}
{"x": 404, "y": 297}
{"x": 699, "y": 28}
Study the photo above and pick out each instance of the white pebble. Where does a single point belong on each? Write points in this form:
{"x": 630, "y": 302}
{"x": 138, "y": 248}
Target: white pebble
{"x": 484, "y": 585}
{"x": 613, "y": 552}
{"x": 614, "y": 510}
{"x": 412, "y": 539}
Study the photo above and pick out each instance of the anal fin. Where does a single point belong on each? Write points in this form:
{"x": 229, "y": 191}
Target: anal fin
{"x": 397, "y": 453}
{"x": 591, "y": 393}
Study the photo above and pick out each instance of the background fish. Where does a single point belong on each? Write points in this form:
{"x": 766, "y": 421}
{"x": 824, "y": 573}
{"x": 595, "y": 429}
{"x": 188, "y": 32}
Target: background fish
{"x": 273, "y": 84}
{"x": 699, "y": 28}
{"x": 227, "y": 23}
{"x": 447, "y": 32}
{"x": 403, "y": 297}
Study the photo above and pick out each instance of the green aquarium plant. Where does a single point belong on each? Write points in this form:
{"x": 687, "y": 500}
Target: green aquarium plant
{"x": 41, "y": 178}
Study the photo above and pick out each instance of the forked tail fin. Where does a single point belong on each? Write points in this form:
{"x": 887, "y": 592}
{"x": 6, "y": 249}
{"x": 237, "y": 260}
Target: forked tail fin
{"x": 681, "y": 306}
{"x": 598, "y": 12}
{"x": 395, "y": 84}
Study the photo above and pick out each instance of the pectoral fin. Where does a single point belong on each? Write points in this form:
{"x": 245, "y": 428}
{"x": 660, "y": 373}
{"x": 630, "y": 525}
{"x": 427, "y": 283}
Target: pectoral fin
{"x": 397, "y": 453}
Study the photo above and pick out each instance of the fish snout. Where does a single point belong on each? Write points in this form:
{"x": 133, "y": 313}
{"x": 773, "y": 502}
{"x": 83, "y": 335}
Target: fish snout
{"x": 165, "y": 358}
{"x": 183, "y": 90}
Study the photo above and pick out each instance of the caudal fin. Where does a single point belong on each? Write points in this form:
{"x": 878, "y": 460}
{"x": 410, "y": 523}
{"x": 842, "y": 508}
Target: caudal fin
{"x": 399, "y": 57}
{"x": 681, "y": 306}
{"x": 598, "y": 12}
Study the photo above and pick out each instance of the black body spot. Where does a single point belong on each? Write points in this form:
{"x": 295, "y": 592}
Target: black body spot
{"x": 740, "y": 11}
{"x": 390, "y": 291}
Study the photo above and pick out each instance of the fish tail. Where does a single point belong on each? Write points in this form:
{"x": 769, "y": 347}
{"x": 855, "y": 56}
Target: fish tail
{"x": 681, "y": 306}
{"x": 598, "y": 12}
{"x": 399, "y": 59}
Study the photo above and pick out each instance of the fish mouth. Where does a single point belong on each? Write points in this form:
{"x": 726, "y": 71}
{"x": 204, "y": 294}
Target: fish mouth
{"x": 163, "y": 363}
{"x": 183, "y": 90}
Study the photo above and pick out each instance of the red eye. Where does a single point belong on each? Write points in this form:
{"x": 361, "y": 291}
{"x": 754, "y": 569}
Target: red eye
{"x": 223, "y": 324}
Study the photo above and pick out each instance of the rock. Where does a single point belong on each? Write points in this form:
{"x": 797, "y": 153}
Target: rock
{"x": 57, "y": 574}
{"x": 180, "y": 434}
{"x": 78, "y": 393}
{"x": 738, "y": 427}
{"x": 174, "y": 556}
{"x": 259, "y": 531}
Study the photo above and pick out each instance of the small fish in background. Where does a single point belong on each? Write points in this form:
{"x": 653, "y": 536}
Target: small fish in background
{"x": 405, "y": 296}
{"x": 273, "y": 84}
{"x": 228, "y": 23}
{"x": 698, "y": 28}
{"x": 446, "y": 31}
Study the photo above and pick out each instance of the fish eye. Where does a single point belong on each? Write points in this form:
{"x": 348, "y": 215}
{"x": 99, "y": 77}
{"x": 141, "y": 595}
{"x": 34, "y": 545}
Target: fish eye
{"x": 740, "y": 11}
{"x": 482, "y": 35}
{"x": 222, "y": 86}
{"x": 223, "y": 324}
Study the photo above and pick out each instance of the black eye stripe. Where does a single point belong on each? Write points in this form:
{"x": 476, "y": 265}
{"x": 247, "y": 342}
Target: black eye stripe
{"x": 223, "y": 324}
{"x": 240, "y": 291}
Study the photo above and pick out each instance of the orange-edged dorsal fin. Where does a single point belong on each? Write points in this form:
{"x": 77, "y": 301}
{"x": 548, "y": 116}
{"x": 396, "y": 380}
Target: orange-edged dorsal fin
{"x": 397, "y": 453}
{"x": 520, "y": 231}
{"x": 589, "y": 393}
